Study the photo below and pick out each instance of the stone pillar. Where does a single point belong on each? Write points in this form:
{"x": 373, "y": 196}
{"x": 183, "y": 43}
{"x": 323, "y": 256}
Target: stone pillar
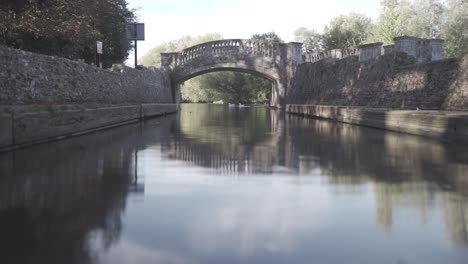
{"x": 295, "y": 53}
{"x": 169, "y": 59}
{"x": 291, "y": 56}
{"x": 176, "y": 93}
{"x": 437, "y": 46}
{"x": 389, "y": 49}
{"x": 370, "y": 51}
{"x": 408, "y": 45}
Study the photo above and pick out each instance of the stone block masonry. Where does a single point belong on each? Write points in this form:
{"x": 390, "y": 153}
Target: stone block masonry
{"x": 370, "y": 51}
{"x": 6, "y": 130}
{"x": 383, "y": 83}
{"x": 28, "y": 78}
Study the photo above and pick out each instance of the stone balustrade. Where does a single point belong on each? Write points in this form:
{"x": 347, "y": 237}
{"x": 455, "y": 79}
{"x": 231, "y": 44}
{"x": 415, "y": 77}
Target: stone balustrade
{"x": 220, "y": 48}
{"x": 335, "y": 54}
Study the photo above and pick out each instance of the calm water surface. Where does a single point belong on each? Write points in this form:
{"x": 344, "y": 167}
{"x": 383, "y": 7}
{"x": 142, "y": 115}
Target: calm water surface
{"x": 224, "y": 185}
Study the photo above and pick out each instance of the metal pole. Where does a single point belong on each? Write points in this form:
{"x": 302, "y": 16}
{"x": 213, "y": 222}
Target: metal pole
{"x": 136, "y": 52}
{"x": 96, "y": 54}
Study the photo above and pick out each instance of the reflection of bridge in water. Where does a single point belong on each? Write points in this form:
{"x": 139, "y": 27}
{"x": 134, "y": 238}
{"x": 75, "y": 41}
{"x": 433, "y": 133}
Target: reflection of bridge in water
{"x": 404, "y": 171}
{"x": 227, "y": 159}
{"x": 258, "y": 159}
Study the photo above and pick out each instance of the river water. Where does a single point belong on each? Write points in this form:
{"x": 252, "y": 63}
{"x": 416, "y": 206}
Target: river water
{"x": 235, "y": 185}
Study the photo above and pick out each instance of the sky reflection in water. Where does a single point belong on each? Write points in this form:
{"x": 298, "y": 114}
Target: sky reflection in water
{"x": 224, "y": 185}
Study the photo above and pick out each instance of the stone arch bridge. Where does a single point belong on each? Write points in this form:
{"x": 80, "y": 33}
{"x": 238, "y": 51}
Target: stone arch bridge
{"x": 276, "y": 62}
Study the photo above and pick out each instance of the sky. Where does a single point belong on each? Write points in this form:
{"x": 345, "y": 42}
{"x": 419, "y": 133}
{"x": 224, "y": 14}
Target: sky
{"x": 167, "y": 20}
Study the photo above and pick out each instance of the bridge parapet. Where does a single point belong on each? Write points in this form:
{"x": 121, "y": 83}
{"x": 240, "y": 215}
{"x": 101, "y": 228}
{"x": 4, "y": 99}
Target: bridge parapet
{"x": 221, "y": 48}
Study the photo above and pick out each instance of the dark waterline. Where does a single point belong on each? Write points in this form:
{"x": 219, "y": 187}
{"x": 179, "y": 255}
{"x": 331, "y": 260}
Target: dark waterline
{"x": 228, "y": 185}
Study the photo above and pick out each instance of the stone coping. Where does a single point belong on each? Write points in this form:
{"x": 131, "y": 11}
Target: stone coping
{"x": 442, "y": 125}
{"x": 377, "y": 44}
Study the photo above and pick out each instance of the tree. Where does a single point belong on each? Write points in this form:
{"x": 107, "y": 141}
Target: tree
{"x": 113, "y": 16}
{"x": 270, "y": 37}
{"x": 347, "y": 31}
{"x": 67, "y": 28}
{"x": 237, "y": 87}
{"x": 427, "y": 18}
{"x": 312, "y": 41}
{"x": 455, "y": 30}
{"x": 393, "y": 20}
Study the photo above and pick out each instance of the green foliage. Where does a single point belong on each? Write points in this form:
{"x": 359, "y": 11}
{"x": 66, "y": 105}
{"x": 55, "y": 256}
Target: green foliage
{"x": 347, "y": 31}
{"x": 196, "y": 91}
{"x": 67, "y": 28}
{"x": 403, "y": 59}
{"x": 230, "y": 87}
{"x": 393, "y": 20}
{"x": 428, "y": 18}
{"x": 455, "y": 30}
{"x": 270, "y": 37}
{"x": 419, "y": 18}
{"x": 312, "y": 41}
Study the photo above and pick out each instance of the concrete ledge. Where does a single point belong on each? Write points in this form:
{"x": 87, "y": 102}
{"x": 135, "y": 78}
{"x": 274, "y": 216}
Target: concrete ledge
{"x": 24, "y": 129}
{"x": 152, "y": 110}
{"x": 447, "y": 126}
{"x": 6, "y": 130}
{"x": 43, "y": 125}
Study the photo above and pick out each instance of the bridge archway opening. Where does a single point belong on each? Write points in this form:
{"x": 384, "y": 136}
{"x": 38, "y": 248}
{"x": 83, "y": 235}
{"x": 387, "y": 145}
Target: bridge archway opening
{"x": 229, "y": 85}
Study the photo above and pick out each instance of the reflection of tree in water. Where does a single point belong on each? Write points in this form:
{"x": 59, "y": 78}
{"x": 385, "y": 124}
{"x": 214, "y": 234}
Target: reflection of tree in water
{"x": 56, "y": 199}
{"x": 406, "y": 171}
{"x": 455, "y": 208}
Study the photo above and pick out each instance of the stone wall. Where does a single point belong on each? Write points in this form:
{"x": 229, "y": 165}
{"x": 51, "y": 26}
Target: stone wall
{"x": 370, "y": 51}
{"x": 382, "y": 82}
{"x": 446, "y": 126}
{"x": 424, "y": 50}
{"x": 21, "y": 129}
{"x": 28, "y": 78}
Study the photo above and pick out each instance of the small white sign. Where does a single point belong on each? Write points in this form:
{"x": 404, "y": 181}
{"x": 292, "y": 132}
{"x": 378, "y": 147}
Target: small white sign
{"x": 99, "y": 47}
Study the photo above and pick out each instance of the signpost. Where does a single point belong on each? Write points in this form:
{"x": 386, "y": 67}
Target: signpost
{"x": 135, "y": 32}
{"x": 99, "y": 52}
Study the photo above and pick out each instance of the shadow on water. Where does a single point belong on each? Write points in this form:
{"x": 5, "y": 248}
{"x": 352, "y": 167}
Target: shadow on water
{"x": 58, "y": 199}
{"x": 64, "y": 202}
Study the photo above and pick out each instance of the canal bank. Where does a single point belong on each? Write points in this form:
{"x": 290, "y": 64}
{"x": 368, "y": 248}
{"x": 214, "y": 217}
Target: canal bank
{"x": 21, "y": 127}
{"x": 441, "y": 125}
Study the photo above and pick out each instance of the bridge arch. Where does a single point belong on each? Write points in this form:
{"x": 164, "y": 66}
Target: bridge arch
{"x": 275, "y": 62}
